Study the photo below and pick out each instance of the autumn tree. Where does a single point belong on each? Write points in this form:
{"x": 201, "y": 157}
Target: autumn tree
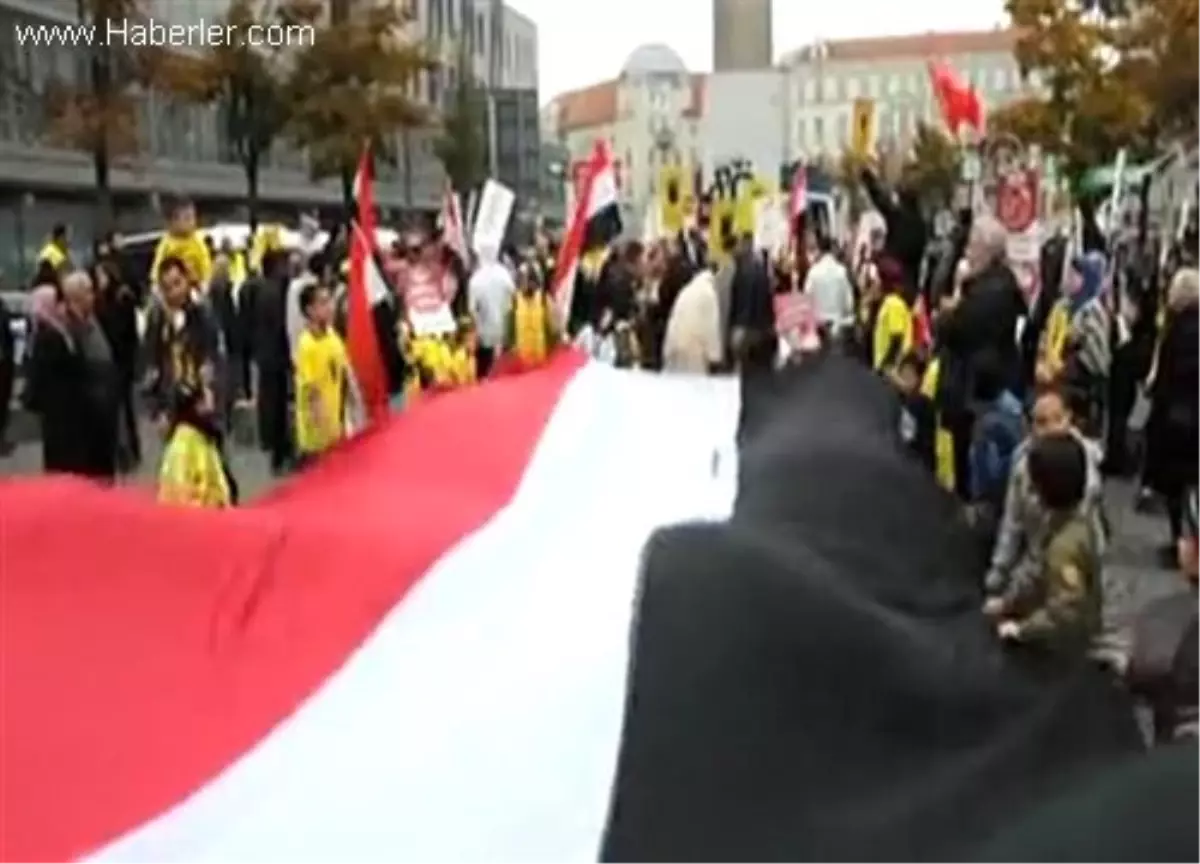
{"x": 462, "y": 141}
{"x": 97, "y": 111}
{"x": 246, "y": 82}
{"x": 932, "y": 166}
{"x": 1160, "y": 44}
{"x": 353, "y": 86}
{"x": 1113, "y": 75}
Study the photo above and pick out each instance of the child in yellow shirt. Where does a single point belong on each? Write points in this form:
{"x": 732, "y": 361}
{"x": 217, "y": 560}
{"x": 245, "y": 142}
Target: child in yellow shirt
{"x": 322, "y": 373}
{"x": 184, "y": 241}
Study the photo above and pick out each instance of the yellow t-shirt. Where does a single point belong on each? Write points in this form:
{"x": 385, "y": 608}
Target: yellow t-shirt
{"x": 895, "y": 321}
{"x": 54, "y": 254}
{"x": 322, "y": 366}
{"x": 190, "y": 249}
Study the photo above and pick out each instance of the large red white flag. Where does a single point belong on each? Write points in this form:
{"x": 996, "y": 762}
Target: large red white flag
{"x": 416, "y": 651}
{"x": 442, "y": 645}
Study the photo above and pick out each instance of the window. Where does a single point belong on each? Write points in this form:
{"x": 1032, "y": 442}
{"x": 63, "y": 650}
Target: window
{"x": 801, "y": 133}
{"x": 1000, "y": 80}
{"x": 893, "y": 85}
{"x": 830, "y": 93}
{"x": 819, "y": 132}
{"x": 480, "y": 39}
{"x": 810, "y": 90}
{"x": 852, "y": 90}
{"x": 843, "y": 130}
{"x": 874, "y": 91}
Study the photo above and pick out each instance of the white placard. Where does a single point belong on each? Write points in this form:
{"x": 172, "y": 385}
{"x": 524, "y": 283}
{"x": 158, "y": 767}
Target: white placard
{"x": 435, "y": 322}
{"x": 491, "y": 221}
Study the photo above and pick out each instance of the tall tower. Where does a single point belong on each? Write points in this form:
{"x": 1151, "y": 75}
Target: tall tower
{"x": 741, "y": 35}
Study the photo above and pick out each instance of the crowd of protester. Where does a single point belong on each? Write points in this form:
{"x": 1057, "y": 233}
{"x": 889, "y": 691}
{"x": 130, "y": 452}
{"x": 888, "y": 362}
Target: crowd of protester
{"x": 1018, "y": 408}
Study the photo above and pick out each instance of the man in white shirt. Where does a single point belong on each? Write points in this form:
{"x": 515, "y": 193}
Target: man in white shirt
{"x": 828, "y": 286}
{"x": 490, "y": 291}
{"x": 693, "y": 339}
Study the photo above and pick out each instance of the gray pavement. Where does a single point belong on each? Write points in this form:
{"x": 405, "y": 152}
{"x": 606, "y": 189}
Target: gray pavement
{"x": 249, "y": 464}
{"x": 1132, "y": 576}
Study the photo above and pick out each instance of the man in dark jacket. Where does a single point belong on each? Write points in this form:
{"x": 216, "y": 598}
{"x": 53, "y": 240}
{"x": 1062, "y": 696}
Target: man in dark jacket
{"x": 261, "y": 311}
{"x": 978, "y": 325}
{"x": 906, "y": 233}
{"x": 751, "y": 309}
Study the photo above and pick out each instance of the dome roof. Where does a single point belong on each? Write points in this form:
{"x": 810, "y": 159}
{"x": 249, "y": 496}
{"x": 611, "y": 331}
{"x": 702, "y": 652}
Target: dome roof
{"x": 653, "y": 59}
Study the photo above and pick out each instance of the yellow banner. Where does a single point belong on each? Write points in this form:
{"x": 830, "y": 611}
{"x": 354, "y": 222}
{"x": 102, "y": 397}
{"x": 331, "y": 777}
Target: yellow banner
{"x": 863, "y": 128}
{"x": 672, "y": 196}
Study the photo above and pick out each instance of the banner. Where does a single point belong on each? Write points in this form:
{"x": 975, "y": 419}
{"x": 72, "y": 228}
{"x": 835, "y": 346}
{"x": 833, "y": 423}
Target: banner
{"x": 491, "y": 221}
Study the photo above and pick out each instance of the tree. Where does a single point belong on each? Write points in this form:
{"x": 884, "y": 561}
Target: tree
{"x": 1160, "y": 41}
{"x": 932, "y": 167}
{"x": 1121, "y": 75}
{"x": 462, "y": 143}
{"x": 97, "y": 112}
{"x": 246, "y": 82}
{"x": 352, "y": 87}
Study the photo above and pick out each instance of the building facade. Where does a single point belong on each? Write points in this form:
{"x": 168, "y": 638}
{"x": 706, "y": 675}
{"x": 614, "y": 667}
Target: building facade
{"x": 826, "y": 78}
{"x": 766, "y": 118}
{"x": 741, "y": 35}
{"x": 649, "y": 115}
{"x": 181, "y": 149}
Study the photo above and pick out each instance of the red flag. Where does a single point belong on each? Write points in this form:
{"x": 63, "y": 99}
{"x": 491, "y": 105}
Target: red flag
{"x": 958, "y": 100}
{"x": 361, "y": 337}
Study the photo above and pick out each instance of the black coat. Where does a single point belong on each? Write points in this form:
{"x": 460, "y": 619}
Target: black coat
{"x": 985, "y": 322}
{"x": 1173, "y": 433}
{"x": 79, "y": 430}
{"x": 117, "y": 314}
{"x": 906, "y": 232}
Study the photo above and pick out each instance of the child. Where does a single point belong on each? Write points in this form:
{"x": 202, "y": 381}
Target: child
{"x": 322, "y": 371}
{"x": 1020, "y": 537}
{"x": 918, "y": 420}
{"x": 194, "y": 471}
{"x": 183, "y": 241}
{"x": 998, "y": 432}
{"x": 1058, "y": 612}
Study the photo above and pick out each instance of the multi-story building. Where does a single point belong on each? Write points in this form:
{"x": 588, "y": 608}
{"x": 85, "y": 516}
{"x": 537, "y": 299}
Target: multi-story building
{"x": 826, "y": 78}
{"x": 649, "y": 115}
{"x": 181, "y": 147}
{"x": 741, "y": 35}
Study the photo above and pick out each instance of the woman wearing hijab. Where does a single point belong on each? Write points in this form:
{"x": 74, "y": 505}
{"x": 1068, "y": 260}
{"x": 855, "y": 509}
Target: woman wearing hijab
{"x": 1076, "y": 349}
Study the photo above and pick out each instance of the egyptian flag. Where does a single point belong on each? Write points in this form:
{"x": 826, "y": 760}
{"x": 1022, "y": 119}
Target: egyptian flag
{"x": 366, "y": 290}
{"x": 595, "y": 222}
{"x": 959, "y": 103}
{"x": 580, "y": 613}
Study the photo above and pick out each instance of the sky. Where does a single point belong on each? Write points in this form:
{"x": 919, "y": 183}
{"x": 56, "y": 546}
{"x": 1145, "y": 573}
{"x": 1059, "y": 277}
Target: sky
{"x": 575, "y": 51}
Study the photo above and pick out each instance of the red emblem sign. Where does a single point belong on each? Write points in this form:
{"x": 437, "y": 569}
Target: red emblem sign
{"x": 1016, "y": 201}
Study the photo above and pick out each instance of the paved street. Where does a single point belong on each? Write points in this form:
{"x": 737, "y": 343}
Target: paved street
{"x": 1132, "y": 574}
{"x": 249, "y": 464}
